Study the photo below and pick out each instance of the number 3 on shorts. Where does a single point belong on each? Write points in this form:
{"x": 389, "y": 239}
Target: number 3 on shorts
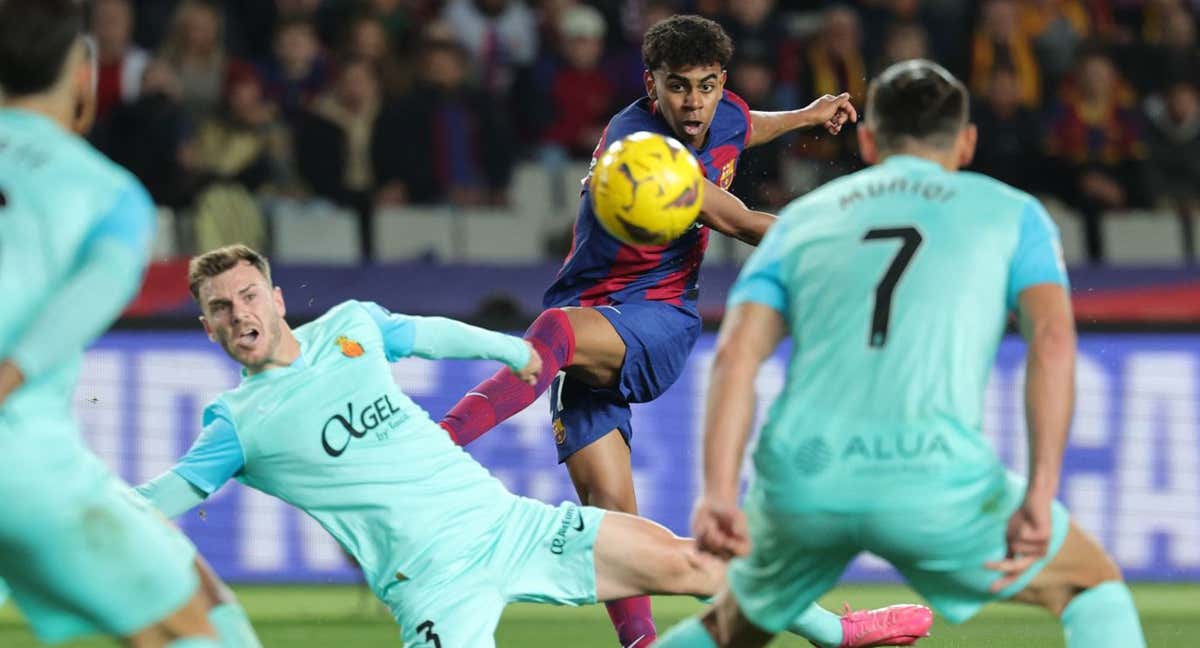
{"x": 430, "y": 636}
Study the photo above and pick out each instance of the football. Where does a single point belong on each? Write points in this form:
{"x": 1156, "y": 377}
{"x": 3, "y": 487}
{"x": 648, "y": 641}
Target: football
{"x": 646, "y": 189}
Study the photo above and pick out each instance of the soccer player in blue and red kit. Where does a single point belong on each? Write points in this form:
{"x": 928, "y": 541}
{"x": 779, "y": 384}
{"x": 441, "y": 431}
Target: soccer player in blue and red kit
{"x": 621, "y": 320}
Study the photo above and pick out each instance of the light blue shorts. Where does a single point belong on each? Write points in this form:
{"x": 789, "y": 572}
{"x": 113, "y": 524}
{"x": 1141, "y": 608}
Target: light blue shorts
{"x": 80, "y": 551}
{"x": 940, "y": 550}
{"x": 538, "y": 553}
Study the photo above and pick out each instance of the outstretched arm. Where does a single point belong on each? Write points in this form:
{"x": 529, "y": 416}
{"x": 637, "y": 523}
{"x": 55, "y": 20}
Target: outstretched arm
{"x": 727, "y": 214}
{"x": 829, "y": 111}
{"x": 213, "y": 459}
{"x": 438, "y": 338}
{"x": 108, "y": 272}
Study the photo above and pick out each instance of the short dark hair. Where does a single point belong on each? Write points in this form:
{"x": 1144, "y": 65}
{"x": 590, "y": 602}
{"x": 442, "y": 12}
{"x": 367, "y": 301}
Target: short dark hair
{"x": 686, "y": 41}
{"x": 916, "y": 100}
{"x": 35, "y": 38}
{"x": 215, "y": 262}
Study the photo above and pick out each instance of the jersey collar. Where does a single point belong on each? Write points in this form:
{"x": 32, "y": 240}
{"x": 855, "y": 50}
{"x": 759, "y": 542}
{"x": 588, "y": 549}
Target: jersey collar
{"x": 910, "y": 161}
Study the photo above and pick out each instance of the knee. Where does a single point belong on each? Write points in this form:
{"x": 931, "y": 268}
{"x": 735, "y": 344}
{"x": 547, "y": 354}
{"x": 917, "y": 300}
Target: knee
{"x": 1056, "y": 599}
{"x": 611, "y": 497}
{"x": 679, "y": 568}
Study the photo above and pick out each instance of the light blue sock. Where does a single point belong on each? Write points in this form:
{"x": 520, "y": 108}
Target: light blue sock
{"x": 194, "y": 642}
{"x": 818, "y": 625}
{"x": 1103, "y": 617}
{"x": 232, "y": 625}
{"x": 689, "y": 633}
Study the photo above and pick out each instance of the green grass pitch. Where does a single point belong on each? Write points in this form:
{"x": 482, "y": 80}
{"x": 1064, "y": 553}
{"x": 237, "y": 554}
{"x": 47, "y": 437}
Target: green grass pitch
{"x": 316, "y": 616}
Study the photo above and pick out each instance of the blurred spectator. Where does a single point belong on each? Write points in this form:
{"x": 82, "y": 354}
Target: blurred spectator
{"x": 1095, "y": 139}
{"x": 333, "y": 139}
{"x": 1174, "y": 143}
{"x": 147, "y": 136}
{"x": 367, "y": 38}
{"x": 235, "y": 153}
{"x": 1056, "y": 28}
{"x": 297, "y": 72}
{"x": 244, "y": 143}
{"x": 760, "y": 169}
{"x": 400, "y": 18}
{"x": 500, "y": 36}
{"x": 582, "y": 96}
{"x": 625, "y": 63}
{"x": 1173, "y": 57}
{"x": 1000, "y": 43}
{"x": 834, "y": 64}
{"x": 121, "y": 63}
{"x": 904, "y": 41}
{"x": 878, "y": 17}
{"x": 1009, "y": 147}
{"x": 441, "y": 142}
{"x": 194, "y": 50}
{"x": 756, "y": 28}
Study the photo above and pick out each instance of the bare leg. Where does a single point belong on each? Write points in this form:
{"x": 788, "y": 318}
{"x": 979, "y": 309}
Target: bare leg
{"x": 636, "y": 556}
{"x": 191, "y": 620}
{"x": 1081, "y": 563}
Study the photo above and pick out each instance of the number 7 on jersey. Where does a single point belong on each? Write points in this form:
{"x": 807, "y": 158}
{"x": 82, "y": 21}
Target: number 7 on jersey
{"x": 911, "y": 240}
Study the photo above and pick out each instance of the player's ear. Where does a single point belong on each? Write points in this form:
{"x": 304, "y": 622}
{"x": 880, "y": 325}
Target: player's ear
{"x": 967, "y": 139}
{"x": 278, "y": 296}
{"x": 721, "y": 79}
{"x": 867, "y": 147}
{"x": 207, "y": 329}
{"x": 648, "y": 79}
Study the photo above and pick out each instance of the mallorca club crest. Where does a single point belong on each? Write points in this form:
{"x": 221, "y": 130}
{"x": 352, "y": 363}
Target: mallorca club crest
{"x": 350, "y": 348}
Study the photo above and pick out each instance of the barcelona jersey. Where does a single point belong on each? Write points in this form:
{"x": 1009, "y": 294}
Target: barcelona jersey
{"x": 601, "y": 270}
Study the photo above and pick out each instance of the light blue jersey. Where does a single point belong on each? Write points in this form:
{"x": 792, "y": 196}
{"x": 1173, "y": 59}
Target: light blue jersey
{"x": 333, "y": 435}
{"x": 79, "y": 553}
{"x": 74, "y": 237}
{"x": 896, "y": 283}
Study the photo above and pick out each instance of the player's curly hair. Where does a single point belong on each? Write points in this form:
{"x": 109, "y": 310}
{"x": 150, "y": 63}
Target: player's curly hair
{"x": 686, "y": 41}
{"x": 916, "y": 100}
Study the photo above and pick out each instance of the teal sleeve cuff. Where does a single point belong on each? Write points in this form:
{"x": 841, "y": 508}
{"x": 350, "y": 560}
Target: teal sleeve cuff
{"x": 440, "y": 337}
{"x": 171, "y": 494}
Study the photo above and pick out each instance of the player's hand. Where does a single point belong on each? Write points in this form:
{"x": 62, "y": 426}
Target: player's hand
{"x": 720, "y": 528}
{"x": 529, "y": 374}
{"x": 1028, "y": 539}
{"x": 832, "y": 112}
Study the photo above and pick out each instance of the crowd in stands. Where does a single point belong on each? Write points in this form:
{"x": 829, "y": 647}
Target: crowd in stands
{"x": 223, "y": 106}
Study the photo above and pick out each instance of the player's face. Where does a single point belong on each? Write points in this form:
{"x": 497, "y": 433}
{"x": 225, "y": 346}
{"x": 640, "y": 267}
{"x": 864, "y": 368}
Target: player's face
{"x": 687, "y": 98}
{"x": 243, "y": 314}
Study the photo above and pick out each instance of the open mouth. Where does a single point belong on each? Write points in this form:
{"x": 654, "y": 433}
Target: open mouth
{"x": 247, "y": 338}
{"x": 692, "y": 127}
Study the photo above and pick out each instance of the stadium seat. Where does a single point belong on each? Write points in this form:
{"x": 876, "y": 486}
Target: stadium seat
{"x": 1142, "y": 238}
{"x": 499, "y": 236}
{"x": 314, "y": 232}
{"x": 165, "y": 244}
{"x": 1070, "y": 230}
{"x": 406, "y": 233}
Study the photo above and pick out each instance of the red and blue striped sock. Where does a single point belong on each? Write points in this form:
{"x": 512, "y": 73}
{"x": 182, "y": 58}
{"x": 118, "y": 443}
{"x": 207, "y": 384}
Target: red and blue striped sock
{"x": 496, "y": 399}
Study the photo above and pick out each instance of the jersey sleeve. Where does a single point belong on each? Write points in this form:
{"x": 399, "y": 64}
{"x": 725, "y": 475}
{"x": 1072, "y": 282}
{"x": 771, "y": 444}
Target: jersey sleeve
{"x": 216, "y": 456}
{"x": 761, "y": 280}
{"x": 436, "y": 338}
{"x": 744, "y": 111}
{"x": 1038, "y": 256}
{"x": 107, "y": 274}
{"x": 398, "y": 331}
